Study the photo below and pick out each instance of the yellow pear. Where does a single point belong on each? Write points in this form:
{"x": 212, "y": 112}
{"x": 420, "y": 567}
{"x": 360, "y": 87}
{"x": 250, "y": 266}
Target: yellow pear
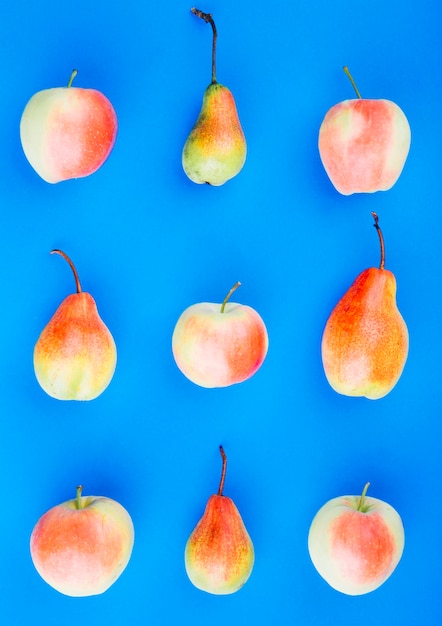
{"x": 365, "y": 340}
{"x": 219, "y": 553}
{"x": 75, "y": 356}
{"x": 215, "y": 150}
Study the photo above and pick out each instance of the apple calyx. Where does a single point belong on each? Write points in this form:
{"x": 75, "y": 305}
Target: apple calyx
{"x": 347, "y": 71}
{"x": 71, "y": 80}
{"x": 381, "y": 240}
{"x": 72, "y": 266}
{"x": 223, "y": 471}
{"x": 234, "y": 288}
{"x": 207, "y": 17}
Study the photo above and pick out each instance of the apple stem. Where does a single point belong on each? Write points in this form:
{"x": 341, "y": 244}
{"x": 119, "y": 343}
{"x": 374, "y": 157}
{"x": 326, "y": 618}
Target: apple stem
{"x": 234, "y": 288}
{"x": 347, "y": 71}
{"x": 65, "y": 256}
{"x": 73, "y": 75}
{"x": 381, "y": 240}
{"x": 361, "y": 506}
{"x": 223, "y": 471}
{"x": 207, "y": 17}
{"x": 78, "y": 498}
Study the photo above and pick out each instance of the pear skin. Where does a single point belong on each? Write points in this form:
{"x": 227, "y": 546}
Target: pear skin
{"x": 75, "y": 356}
{"x": 365, "y": 340}
{"x": 219, "y": 554}
{"x": 215, "y": 150}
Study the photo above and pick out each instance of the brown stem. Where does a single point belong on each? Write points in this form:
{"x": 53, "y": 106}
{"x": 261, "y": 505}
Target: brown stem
{"x": 347, "y": 71}
{"x": 381, "y": 240}
{"x": 65, "y": 256}
{"x": 234, "y": 288}
{"x": 207, "y": 17}
{"x": 223, "y": 472}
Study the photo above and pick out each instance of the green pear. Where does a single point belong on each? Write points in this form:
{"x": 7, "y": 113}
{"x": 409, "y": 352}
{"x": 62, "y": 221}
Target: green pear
{"x": 215, "y": 150}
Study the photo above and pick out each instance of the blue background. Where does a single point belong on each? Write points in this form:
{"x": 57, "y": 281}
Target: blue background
{"x": 147, "y": 243}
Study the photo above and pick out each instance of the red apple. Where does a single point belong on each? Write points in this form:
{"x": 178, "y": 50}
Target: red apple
{"x": 67, "y": 132}
{"x": 356, "y": 542}
{"x": 363, "y": 144}
{"x": 217, "y": 345}
{"x": 82, "y": 546}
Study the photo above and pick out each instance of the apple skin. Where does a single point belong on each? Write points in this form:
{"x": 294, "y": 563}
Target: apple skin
{"x": 218, "y": 349}
{"x": 82, "y": 551}
{"x": 355, "y": 551}
{"x": 67, "y": 132}
{"x": 363, "y": 145}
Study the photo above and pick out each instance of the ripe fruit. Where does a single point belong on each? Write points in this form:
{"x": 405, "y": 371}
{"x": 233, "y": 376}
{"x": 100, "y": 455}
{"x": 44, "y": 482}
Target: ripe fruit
{"x": 219, "y": 553}
{"x": 365, "y": 340}
{"x": 218, "y": 345}
{"x": 215, "y": 150}
{"x": 356, "y": 542}
{"x": 82, "y": 546}
{"x": 363, "y": 144}
{"x": 67, "y": 132}
{"x": 75, "y": 356}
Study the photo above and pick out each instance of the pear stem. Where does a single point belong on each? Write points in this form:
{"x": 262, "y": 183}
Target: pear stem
{"x": 78, "y": 498}
{"x": 223, "y": 471}
{"x": 381, "y": 240}
{"x": 347, "y": 71}
{"x": 234, "y": 288}
{"x": 361, "y": 504}
{"x": 73, "y": 75}
{"x": 207, "y": 17}
{"x": 65, "y": 256}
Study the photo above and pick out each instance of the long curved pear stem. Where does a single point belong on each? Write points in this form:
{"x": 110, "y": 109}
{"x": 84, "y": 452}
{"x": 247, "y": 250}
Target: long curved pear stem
{"x": 72, "y": 266}
{"x": 234, "y": 288}
{"x": 223, "y": 472}
{"x": 347, "y": 71}
{"x": 71, "y": 80}
{"x": 381, "y": 240}
{"x": 207, "y": 17}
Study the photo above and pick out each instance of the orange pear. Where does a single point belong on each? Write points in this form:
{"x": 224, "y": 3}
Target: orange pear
{"x": 219, "y": 553}
{"x": 365, "y": 340}
{"x": 215, "y": 150}
{"x": 75, "y": 355}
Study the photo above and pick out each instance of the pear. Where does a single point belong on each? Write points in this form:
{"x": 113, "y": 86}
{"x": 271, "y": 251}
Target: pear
{"x": 75, "y": 355}
{"x": 219, "y": 553}
{"x": 365, "y": 340}
{"x": 215, "y": 150}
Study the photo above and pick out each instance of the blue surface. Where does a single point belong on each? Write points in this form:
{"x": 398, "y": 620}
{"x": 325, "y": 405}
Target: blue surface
{"x": 147, "y": 243}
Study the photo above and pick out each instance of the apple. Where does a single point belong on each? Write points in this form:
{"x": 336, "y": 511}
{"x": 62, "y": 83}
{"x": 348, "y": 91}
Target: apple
{"x": 363, "y": 144}
{"x": 82, "y": 546}
{"x": 356, "y": 542}
{"x": 219, "y": 345}
{"x": 67, "y": 132}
